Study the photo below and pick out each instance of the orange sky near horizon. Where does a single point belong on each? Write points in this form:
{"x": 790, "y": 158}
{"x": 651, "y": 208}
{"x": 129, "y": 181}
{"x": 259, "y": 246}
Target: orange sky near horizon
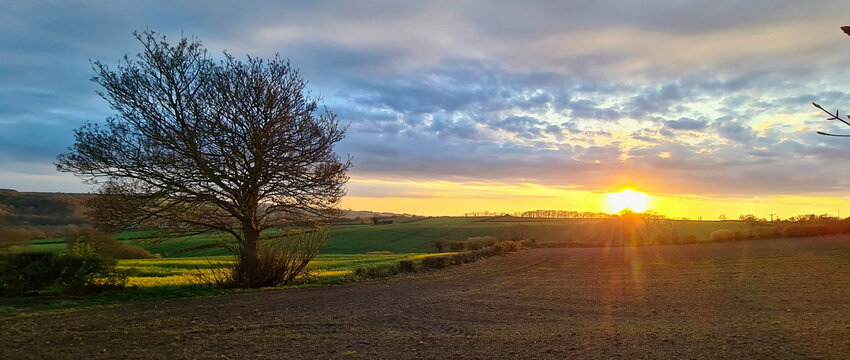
{"x": 436, "y": 198}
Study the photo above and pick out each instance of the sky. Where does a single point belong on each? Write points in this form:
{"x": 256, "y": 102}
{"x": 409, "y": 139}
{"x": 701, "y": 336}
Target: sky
{"x": 460, "y": 106}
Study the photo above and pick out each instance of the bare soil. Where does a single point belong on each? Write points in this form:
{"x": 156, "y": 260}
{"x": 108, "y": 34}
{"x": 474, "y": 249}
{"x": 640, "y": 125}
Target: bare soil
{"x": 766, "y": 299}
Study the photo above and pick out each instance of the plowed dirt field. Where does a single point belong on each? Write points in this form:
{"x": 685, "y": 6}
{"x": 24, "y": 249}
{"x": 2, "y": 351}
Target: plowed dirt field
{"x": 766, "y": 299}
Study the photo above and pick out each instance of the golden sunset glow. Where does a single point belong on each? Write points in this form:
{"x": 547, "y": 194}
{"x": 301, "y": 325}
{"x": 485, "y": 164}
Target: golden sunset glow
{"x": 436, "y": 198}
{"x": 627, "y": 199}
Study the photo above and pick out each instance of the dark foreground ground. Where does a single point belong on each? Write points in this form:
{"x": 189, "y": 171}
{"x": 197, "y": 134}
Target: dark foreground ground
{"x": 768, "y": 299}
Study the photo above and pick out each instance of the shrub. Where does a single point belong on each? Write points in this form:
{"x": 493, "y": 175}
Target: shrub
{"x": 84, "y": 270}
{"x": 437, "y": 262}
{"x": 377, "y": 271}
{"x": 475, "y": 243}
{"x": 13, "y": 238}
{"x": 29, "y": 271}
{"x": 279, "y": 261}
{"x": 104, "y": 244}
{"x": 386, "y": 270}
{"x": 455, "y": 246}
{"x": 468, "y": 256}
{"x": 408, "y": 266}
{"x": 81, "y": 270}
{"x": 528, "y": 243}
{"x": 763, "y": 233}
{"x": 722, "y": 235}
{"x": 439, "y": 244}
{"x": 506, "y": 247}
{"x": 804, "y": 230}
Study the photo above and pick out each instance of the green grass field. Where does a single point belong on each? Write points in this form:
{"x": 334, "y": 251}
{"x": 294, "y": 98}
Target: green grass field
{"x": 350, "y": 246}
{"x": 409, "y": 235}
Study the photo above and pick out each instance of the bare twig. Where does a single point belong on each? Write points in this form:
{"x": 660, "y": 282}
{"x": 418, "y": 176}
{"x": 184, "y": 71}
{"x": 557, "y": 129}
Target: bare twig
{"x": 832, "y": 116}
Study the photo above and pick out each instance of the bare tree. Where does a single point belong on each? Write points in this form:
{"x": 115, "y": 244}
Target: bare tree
{"x": 231, "y": 146}
{"x": 835, "y": 115}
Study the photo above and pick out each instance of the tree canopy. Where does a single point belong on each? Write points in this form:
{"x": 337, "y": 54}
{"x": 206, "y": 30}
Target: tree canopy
{"x": 234, "y": 146}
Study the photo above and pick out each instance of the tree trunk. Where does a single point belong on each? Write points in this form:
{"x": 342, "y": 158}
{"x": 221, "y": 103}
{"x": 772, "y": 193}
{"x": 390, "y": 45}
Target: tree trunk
{"x": 250, "y": 255}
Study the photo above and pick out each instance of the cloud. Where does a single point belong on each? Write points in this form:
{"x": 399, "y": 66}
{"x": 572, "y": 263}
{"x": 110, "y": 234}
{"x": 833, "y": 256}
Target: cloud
{"x": 692, "y": 96}
{"x": 686, "y": 124}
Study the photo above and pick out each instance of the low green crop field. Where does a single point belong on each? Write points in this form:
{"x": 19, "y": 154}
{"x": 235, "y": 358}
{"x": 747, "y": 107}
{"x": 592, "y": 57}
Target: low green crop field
{"x": 412, "y": 235}
{"x": 351, "y": 245}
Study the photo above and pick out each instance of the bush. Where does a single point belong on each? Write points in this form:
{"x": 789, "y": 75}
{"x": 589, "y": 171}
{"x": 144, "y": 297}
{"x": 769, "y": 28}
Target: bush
{"x": 14, "y": 238}
{"x": 468, "y": 256}
{"x": 280, "y": 260}
{"x": 722, "y": 235}
{"x": 437, "y": 262}
{"x": 763, "y": 233}
{"x": 82, "y": 270}
{"x": 104, "y": 244}
{"x": 439, "y": 244}
{"x": 475, "y": 243}
{"x": 806, "y": 230}
{"x": 377, "y": 271}
{"x": 408, "y": 266}
{"x": 456, "y": 246}
{"x": 528, "y": 243}
{"x": 386, "y": 270}
{"x": 29, "y": 271}
{"x": 505, "y": 247}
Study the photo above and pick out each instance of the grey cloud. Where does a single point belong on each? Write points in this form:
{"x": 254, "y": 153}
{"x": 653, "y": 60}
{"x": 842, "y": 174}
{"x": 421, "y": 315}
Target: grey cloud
{"x": 731, "y": 129}
{"x": 655, "y": 100}
{"x": 426, "y": 101}
{"x": 686, "y": 124}
{"x": 523, "y": 126}
{"x": 586, "y": 109}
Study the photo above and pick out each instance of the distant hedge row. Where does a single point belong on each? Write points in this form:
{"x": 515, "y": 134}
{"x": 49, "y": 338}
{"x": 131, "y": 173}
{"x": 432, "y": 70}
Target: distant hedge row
{"x": 78, "y": 271}
{"x": 783, "y": 230}
{"x": 444, "y": 261}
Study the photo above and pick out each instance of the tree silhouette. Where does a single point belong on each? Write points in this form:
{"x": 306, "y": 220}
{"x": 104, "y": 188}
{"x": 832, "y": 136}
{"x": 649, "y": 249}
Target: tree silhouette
{"x": 231, "y": 146}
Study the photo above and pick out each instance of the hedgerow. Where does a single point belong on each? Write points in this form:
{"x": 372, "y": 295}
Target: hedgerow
{"x": 79, "y": 271}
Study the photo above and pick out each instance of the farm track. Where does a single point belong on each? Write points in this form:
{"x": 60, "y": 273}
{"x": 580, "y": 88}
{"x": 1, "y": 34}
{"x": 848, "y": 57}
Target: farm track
{"x": 768, "y": 299}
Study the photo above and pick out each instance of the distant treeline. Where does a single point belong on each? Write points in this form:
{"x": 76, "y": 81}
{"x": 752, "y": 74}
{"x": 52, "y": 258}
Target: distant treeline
{"x": 795, "y": 226}
{"x": 22, "y": 209}
{"x": 566, "y": 214}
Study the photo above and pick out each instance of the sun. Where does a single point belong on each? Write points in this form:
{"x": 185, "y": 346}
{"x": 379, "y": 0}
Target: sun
{"x": 627, "y": 199}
